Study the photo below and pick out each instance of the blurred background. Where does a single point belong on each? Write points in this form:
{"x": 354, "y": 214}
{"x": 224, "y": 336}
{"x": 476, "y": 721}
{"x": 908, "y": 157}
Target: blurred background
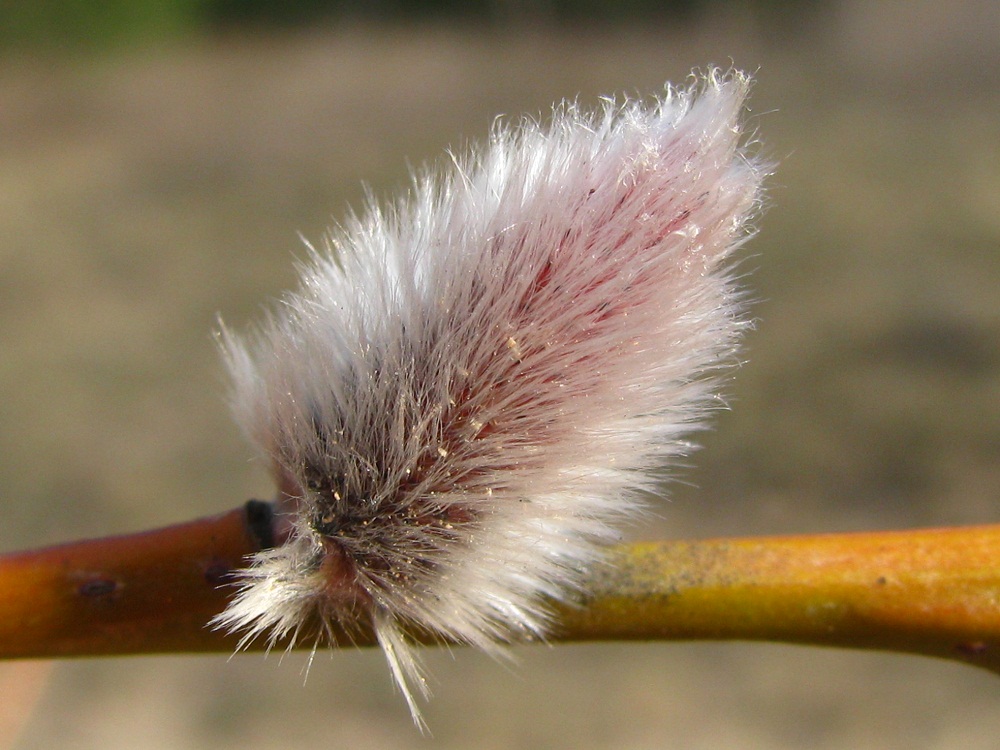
{"x": 157, "y": 162}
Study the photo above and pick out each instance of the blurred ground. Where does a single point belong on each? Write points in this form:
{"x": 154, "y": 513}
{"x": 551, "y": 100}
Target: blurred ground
{"x": 143, "y": 194}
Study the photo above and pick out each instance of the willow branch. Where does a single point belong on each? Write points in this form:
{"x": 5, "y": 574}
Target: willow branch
{"x": 931, "y": 592}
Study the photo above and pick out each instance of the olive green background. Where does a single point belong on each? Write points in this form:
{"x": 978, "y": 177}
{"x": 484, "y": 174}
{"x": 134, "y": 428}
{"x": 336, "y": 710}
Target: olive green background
{"x": 145, "y": 191}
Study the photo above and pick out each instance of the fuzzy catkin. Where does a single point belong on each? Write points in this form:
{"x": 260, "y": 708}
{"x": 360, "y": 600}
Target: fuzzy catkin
{"x": 470, "y": 388}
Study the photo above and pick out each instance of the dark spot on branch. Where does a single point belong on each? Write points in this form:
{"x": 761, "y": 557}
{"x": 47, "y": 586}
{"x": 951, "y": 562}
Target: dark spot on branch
{"x": 217, "y": 572}
{"x": 97, "y": 587}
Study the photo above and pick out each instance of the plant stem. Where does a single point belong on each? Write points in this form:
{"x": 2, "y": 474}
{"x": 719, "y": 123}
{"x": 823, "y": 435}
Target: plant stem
{"x": 151, "y": 592}
{"x": 932, "y": 592}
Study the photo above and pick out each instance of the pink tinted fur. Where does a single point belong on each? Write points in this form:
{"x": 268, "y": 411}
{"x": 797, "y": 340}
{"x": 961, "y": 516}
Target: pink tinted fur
{"x": 514, "y": 345}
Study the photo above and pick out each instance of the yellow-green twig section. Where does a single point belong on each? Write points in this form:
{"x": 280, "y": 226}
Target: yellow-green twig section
{"x": 934, "y": 592}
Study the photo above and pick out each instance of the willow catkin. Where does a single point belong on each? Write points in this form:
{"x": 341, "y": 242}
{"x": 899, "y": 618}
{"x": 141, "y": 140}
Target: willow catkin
{"x": 471, "y": 386}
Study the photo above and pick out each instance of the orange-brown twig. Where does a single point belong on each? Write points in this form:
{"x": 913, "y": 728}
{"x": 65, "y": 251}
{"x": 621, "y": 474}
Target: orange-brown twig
{"x": 932, "y": 592}
{"x": 151, "y": 592}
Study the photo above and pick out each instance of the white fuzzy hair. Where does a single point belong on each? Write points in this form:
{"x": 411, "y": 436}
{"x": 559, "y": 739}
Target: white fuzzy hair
{"x": 471, "y": 387}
